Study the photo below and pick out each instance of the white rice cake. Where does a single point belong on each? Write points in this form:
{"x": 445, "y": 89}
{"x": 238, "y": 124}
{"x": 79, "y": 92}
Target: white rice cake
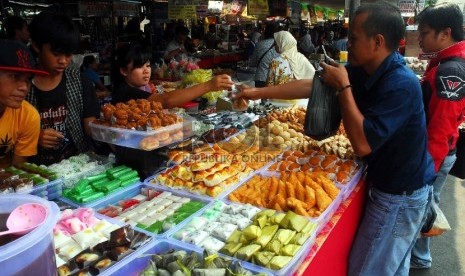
{"x": 211, "y": 243}
{"x": 86, "y": 238}
{"x": 175, "y": 206}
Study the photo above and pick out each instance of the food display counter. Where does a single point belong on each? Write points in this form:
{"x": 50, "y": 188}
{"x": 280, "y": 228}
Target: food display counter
{"x": 256, "y": 194}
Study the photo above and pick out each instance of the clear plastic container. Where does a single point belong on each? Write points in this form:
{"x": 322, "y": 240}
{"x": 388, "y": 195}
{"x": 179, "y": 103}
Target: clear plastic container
{"x": 154, "y": 182}
{"x": 136, "y": 190}
{"x": 50, "y": 191}
{"x": 137, "y": 262}
{"x": 144, "y": 140}
{"x": 322, "y": 219}
{"x": 93, "y": 203}
{"x": 34, "y": 252}
{"x": 289, "y": 269}
{"x": 349, "y": 187}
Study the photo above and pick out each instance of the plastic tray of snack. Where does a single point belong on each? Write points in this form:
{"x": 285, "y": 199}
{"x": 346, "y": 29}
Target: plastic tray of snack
{"x": 197, "y": 192}
{"x": 50, "y": 190}
{"x": 156, "y": 204}
{"x": 70, "y": 181}
{"x": 78, "y": 172}
{"x": 350, "y": 186}
{"x": 136, "y": 263}
{"x": 95, "y": 202}
{"x": 103, "y": 224}
{"x": 321, "y": 219}
{"x": 288, "y": 269}
{"x": 144, "y": 140}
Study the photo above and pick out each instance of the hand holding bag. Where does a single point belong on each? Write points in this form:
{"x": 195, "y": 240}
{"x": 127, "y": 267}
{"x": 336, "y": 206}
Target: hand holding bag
{"x": 323, "y": 116}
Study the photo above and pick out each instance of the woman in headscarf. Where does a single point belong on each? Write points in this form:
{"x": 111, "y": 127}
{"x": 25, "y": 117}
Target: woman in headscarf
{"x": 290, "y": 64}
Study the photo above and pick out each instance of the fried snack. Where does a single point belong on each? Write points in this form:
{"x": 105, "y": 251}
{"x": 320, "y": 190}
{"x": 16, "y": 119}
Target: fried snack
{"x": 327, "y": 162}
{"x": 290, "y": 189}
{"x": 131, "y": 103}
{"x": 121, "y": 106}
{"x": 201, "y": 166}
{"x": 292, "y": 178}
{"x": 177, "y": 135}
{"x": 311, "y": 183}
{"x": 282, "y": 189}
{"x": 293, "y": 203}
{"x": 322, "y": 199}
{"x": 315, "y": 160}
{"x": 274, "y": 184}
{"x": 299, "y": 191}
{"x": 153, "y": 122}
{"x": 166, "y": 121}
{"x": 149, "y": 143}
{"x": 284, "y": 176}
{"x": 132, "y": 125}
{"x": 310, "y": 197}
{"x": 277, "y": 207}
{"x": 156, "y": 105}
{"x": 108, "y": 110}
{"x": 281, "y": 202}
{"x": 122, "y": 122}
{"x": 301, "y": 177}
{"x": 134, "y": 116}
{"x": 142, "y": 122}
{"x": 214, "y": 191}
{"x": 121, "y": 114}
{"x": 342, "y": 176}
{"x": 232, "y": 197}
{"x": 330, "y": 189}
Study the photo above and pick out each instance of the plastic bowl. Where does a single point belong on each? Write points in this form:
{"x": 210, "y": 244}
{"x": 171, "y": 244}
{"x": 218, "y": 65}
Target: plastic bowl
{"x": 33, "y": 252}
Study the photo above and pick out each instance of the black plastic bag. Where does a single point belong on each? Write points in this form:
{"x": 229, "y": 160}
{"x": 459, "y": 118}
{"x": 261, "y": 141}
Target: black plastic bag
{"x": 323, "y": 116}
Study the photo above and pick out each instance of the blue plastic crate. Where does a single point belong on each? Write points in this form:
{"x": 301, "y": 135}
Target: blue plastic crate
{"x": 287, "y": 270}
{"x": 50, "y": 191}
{"x": 134, "y": 264}
{"x": 322, "y": 219}
{"x": 113, "y": 199}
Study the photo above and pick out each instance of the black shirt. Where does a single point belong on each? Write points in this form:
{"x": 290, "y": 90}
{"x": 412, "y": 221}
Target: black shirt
{"x": 53, "y": 110}
{"x": 125, "y": 93}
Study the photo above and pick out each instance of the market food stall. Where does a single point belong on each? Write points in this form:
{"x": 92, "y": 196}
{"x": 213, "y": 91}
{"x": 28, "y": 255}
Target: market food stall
{"x": 313, "y": 192}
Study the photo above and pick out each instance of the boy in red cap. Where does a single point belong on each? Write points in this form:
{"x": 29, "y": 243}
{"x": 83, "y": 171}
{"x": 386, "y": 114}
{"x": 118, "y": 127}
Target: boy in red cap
{"x": 19, "y": 121}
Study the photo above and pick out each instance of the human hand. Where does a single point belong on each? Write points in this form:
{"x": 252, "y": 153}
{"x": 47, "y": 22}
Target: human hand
{"x": 334, "y": 75}
{"x": 220, "y": 82}
{"x": 50, "y": 138}
{"x": 246, "y": 92}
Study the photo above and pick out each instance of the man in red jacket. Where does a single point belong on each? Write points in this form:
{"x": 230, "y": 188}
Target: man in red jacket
{"x": 441, "y": 34}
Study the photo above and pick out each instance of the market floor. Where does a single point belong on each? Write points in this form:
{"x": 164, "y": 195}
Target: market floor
{"x": 448, "y": 250}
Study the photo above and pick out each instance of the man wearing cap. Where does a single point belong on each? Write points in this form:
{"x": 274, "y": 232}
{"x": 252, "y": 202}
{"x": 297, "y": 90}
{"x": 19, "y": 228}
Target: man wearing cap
{"x": 19, "y": 120}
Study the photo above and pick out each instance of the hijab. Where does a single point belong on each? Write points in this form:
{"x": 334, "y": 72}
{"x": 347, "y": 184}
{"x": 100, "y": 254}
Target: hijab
{"x": 287, "y": 47}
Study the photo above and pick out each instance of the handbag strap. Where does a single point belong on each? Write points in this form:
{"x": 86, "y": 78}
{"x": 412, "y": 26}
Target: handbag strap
{"x": 260, "y": 60}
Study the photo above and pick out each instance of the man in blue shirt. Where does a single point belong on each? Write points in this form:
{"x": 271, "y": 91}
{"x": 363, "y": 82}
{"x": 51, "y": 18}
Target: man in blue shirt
{"x": 383, "y": 115}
